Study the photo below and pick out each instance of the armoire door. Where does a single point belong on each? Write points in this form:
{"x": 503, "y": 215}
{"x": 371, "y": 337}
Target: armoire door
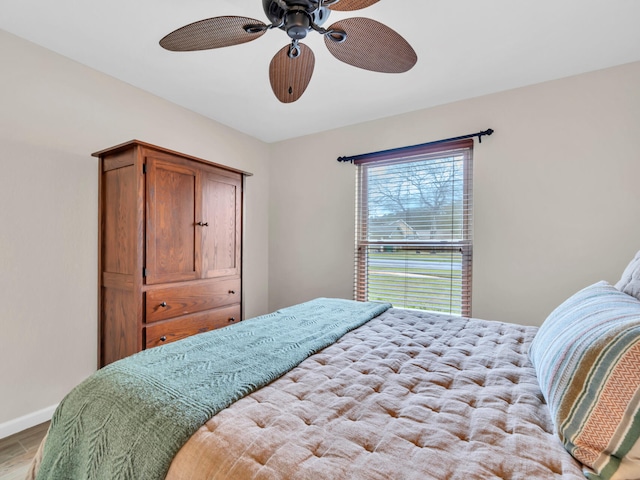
{"x": 222, "y": 214}
{"x": 172, "y": 216}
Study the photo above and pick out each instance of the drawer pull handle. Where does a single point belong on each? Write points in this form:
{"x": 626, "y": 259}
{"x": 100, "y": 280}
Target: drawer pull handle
{"x": 163, "y": 304}
{"x": 232, "y": 292}
{"x": 163, "y": 339}
{"x": 232, "y": 319}
{"x": 203, "y": 224}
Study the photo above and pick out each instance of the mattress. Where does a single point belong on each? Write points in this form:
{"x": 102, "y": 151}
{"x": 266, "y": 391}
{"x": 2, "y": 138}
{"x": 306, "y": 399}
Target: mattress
{"x": 408, "y": 395}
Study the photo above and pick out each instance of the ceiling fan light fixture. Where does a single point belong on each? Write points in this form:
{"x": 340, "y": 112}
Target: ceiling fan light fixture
{"x": 297, "y": 24}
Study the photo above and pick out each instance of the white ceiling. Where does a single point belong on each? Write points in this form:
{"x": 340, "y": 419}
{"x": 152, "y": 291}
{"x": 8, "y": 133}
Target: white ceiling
{"x": 465, "y": 48}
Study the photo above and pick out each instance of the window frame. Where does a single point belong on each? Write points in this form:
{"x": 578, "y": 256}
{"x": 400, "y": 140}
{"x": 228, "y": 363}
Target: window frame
{"x": 464, "y": 246}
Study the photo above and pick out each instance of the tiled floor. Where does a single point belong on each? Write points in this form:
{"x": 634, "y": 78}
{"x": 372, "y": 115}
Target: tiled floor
{"x": 17, "y": 451}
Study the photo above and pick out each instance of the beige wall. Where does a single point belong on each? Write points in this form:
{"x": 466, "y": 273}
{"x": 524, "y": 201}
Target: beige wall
{"x": 557, "y": 193}
{"x": 53, "y": 114}
{"x": 557, "y": 201}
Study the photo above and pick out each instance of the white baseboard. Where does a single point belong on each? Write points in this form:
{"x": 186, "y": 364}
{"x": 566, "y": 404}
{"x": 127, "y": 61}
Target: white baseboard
{"x": 22, "y": 423}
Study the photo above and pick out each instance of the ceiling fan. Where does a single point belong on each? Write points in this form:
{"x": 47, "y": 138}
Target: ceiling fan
{"x": 358, "y": 41}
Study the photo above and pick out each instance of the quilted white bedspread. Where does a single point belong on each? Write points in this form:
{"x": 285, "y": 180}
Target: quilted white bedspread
{"x": 408, "y": 395}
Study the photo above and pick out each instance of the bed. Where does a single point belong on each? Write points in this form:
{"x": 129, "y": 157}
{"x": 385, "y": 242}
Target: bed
{"x": 402, "y": 395}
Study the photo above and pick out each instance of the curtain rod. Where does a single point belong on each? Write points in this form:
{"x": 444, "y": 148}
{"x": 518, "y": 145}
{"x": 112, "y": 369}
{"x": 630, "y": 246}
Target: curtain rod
{"x": 402, "y": 149}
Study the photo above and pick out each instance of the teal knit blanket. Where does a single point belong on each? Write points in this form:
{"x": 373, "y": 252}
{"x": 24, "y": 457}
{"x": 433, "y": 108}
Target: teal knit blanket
{"x": 129, "y": 419}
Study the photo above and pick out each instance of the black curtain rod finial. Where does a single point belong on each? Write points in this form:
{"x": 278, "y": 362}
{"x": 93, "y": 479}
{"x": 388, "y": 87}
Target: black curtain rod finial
{"x": 345, "y": 159}
{"x": 486, "y": 132}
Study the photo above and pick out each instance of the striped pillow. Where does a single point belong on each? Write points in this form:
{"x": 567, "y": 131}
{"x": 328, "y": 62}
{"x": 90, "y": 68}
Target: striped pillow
{"x": 587, "y": 358}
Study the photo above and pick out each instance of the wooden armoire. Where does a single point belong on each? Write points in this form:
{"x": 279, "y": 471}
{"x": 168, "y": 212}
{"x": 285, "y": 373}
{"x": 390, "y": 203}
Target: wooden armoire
{"x": 170, "y": 246}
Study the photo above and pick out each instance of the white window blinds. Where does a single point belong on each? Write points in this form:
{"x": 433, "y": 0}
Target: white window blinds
{"x": 414, "y": 228}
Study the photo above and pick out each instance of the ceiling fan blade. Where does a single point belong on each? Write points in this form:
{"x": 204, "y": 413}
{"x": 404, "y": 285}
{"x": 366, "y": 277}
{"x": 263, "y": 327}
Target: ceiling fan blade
{"x": 290, "y": 76}
{"x": 349, "y": 5}
{"x": 371, "y": 45}
{"x": 214, "y": 32}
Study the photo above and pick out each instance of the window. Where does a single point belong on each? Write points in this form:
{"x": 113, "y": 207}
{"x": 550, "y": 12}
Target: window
{"x": 414, "y": 228}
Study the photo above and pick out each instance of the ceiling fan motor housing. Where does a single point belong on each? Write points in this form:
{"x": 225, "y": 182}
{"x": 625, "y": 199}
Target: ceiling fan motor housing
{"x": 295, "y": 16}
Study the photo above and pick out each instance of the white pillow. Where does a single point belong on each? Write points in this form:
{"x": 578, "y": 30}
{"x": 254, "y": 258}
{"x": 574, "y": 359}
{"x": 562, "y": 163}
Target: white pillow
{"x": 630, "y": 281}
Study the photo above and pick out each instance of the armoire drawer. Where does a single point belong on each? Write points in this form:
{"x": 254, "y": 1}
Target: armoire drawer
{"x": 173, "y": 330}
{"x": 171, "y": 302}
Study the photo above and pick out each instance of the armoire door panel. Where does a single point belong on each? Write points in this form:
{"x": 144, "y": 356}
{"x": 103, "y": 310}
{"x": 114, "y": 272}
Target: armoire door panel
{"x": 119, "y": 330}
{"x": 118, "y": 220}
{"x": 221, "y": 208}
{"x": 171, "y": 222}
